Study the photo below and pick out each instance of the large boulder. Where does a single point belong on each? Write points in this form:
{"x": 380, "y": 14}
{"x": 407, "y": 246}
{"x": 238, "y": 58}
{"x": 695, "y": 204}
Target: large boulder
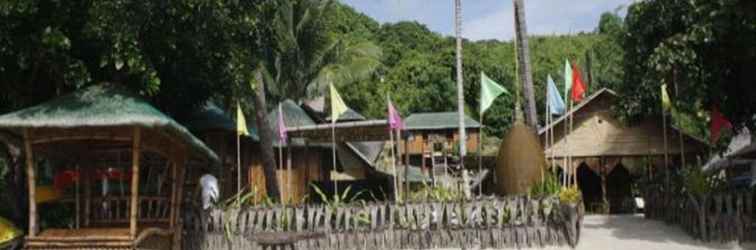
{"x": 521, "y": 161}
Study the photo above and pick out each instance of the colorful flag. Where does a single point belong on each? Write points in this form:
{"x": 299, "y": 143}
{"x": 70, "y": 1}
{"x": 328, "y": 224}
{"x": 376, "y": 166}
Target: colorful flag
{"x": 241, "y": 123}
{"x": 718, "y": 120}
{"x": 665, "y": 101}
{"x": 567, "y": 80}
{"x": 489, "y": 90}
{"x": 578, "y": 87}
{"x": 394, "y": 119}
{"x": 337, "y": 105}
{"x": 281, "y": 125}
{"x": 554, "y": 100}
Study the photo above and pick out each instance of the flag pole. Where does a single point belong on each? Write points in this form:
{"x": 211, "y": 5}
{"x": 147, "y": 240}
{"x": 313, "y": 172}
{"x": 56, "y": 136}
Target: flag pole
{"x": 572, "y": 179}
{"x": 480, "y": 155}
{"x": 288, "y": 155}
{"x": 393, "y": 165}
{"x": 333, "y": 143}
{"x": 666, "y": 147}
{"x": 238, "y": 169}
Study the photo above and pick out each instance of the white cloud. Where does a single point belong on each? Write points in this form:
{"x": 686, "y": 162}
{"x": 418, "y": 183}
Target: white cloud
{"x": 542, "y": 17}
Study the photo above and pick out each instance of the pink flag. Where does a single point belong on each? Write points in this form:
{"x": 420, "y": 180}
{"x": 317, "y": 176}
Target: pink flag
{"x": 394, "y": 119}
{"x": 281, "y": 126}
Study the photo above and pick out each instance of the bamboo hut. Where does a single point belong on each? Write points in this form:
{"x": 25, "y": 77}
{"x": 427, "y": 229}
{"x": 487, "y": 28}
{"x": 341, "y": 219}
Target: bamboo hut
{"x": 104, "y": 134}
{"x": 607, "y": 154}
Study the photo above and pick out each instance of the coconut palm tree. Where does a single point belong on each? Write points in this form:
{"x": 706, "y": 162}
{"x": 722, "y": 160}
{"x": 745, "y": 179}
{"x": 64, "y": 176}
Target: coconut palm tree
{"x": 523, "y": 55}
{"x": 298, "y": 60}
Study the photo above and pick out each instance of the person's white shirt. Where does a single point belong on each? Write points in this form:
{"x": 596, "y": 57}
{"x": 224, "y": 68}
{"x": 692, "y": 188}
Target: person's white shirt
{"x": 209, "y": 185}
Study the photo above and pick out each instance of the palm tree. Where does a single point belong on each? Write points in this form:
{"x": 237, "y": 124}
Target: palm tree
{"x": 460, "y": 89}
{"x": 302, "y": 59}
{"x": 523, "y": 54}
{"x": 298, "y": 60}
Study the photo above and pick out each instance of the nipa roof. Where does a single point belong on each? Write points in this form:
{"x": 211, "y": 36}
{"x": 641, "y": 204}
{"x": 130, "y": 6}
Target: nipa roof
{"x": 211, "y": 117}
{"x": 437, "y": 120}
{"x": 102, "y": 105}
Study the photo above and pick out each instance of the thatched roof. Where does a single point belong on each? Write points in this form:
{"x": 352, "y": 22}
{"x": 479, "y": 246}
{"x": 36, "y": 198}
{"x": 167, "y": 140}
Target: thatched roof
{"x": 318, "y": 108}
{"x": 737, "y": 145}
{"x": 102, "y": 105}
{"x": 437, "y": 121}
{"x": 211, "y": 117}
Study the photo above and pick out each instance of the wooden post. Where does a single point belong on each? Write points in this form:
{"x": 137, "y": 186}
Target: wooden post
{"x": 135, "y": 155}
{"x": 406, "y": 163}
{"x": 174, "y": 176}
{"x": 30, "y": 178}
{"x": 180, "y": 174}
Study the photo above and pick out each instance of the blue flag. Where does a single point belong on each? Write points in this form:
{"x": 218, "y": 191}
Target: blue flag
{"x": 554, "y": 100}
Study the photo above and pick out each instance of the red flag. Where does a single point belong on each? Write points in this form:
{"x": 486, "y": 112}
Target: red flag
{"x": 717, "y": 122}
{"x": 578, "y": 87}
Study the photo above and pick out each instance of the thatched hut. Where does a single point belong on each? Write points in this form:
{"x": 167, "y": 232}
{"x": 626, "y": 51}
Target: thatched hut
{"x": 104, "y": 134}
{"x": 608, "y": 154}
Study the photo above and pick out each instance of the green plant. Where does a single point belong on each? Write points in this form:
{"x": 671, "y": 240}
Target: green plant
{"x": 570, "y": 195}
{"x": 696, "y": 182}
{"x": 547, "y": 187}
{"x": 337, "y": 200}
{"x": 435, "y": 193}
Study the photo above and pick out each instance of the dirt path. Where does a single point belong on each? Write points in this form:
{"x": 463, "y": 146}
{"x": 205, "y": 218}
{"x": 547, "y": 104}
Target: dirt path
{"x": 633, "y": 232}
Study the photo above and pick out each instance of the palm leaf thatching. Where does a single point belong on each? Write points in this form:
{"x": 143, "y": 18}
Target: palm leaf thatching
{"x": 102, "y": 106}
{"x": 521, "y": 160}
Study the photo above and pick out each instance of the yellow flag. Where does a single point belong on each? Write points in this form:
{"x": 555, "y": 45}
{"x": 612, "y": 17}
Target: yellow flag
{"x": 666, "y": 103}
{"x": 337, "y": 105}
{"x": 241, "y": 123}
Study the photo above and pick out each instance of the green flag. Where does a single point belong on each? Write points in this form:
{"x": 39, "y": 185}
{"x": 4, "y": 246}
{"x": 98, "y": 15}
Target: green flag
{"x": 567, "y": 80}
{"x": 489, "y": 90}
{"x": 666, "y": 103}
{"x": 337, "y": 105}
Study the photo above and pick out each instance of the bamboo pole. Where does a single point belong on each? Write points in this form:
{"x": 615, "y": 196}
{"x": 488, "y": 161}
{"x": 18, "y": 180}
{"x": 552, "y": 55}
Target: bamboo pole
{"x": 406, "y": 164}
{"x": 135, "y": 155}
{"x": 480, "y": 154}
{"x": 181, "y": 174}
{"x": 393, "y": 166}
{"x": 31, "y": 181}
{"x": 78, "y": 198}
{"x": 289, "y": 185}
{"x": 174, "y": 176}
{"x": 333, "y": 151}
{"x": 280, "y": 170}
{"x": 572, "y": 179}
{"x": 238, "y": 169}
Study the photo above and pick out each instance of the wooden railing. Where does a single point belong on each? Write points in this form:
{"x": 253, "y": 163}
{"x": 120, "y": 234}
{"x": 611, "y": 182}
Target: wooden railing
{"x": 491, "y": 223}
{"x": 719, "y": 217}
{"x": 115, "y": 210}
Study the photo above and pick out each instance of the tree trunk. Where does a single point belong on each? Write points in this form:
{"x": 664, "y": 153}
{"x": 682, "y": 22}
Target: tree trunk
{"x": 521, "y": 36}
{"x": 460, "y": 88}
{"x": 266, "y": 139}
{"x": 15, "y": 180}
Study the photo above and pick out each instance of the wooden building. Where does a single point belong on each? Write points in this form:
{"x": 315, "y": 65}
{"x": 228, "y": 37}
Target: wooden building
{"x": 607, "y": 154}
{"x": 300, "y": 162}
{"x": 100, "y": 134}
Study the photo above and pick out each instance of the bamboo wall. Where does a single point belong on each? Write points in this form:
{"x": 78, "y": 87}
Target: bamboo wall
{"x": 305, "y": 167}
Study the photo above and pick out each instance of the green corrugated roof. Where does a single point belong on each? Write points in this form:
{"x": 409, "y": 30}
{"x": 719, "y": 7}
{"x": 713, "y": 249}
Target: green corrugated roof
{"x": 212, "y": 117}
{"x": 437, "y": 120}
{"x": 102, "y": 105}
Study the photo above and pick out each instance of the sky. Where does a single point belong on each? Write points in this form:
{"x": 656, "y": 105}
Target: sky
{"x": 493, "y": 19}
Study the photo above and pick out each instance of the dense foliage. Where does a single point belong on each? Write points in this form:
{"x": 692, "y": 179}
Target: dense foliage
{"x": 703, "y": 49}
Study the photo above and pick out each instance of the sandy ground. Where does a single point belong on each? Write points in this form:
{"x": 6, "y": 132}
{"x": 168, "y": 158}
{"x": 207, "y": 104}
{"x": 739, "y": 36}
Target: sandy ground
{"x": 633, "y": 232}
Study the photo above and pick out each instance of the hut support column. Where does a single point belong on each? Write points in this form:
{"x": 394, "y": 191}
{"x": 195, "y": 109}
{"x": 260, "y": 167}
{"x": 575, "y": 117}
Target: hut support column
{"x": 135, "y": 154}
{"x": 30, "y": 175}
{"x": 177, "y": 225}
